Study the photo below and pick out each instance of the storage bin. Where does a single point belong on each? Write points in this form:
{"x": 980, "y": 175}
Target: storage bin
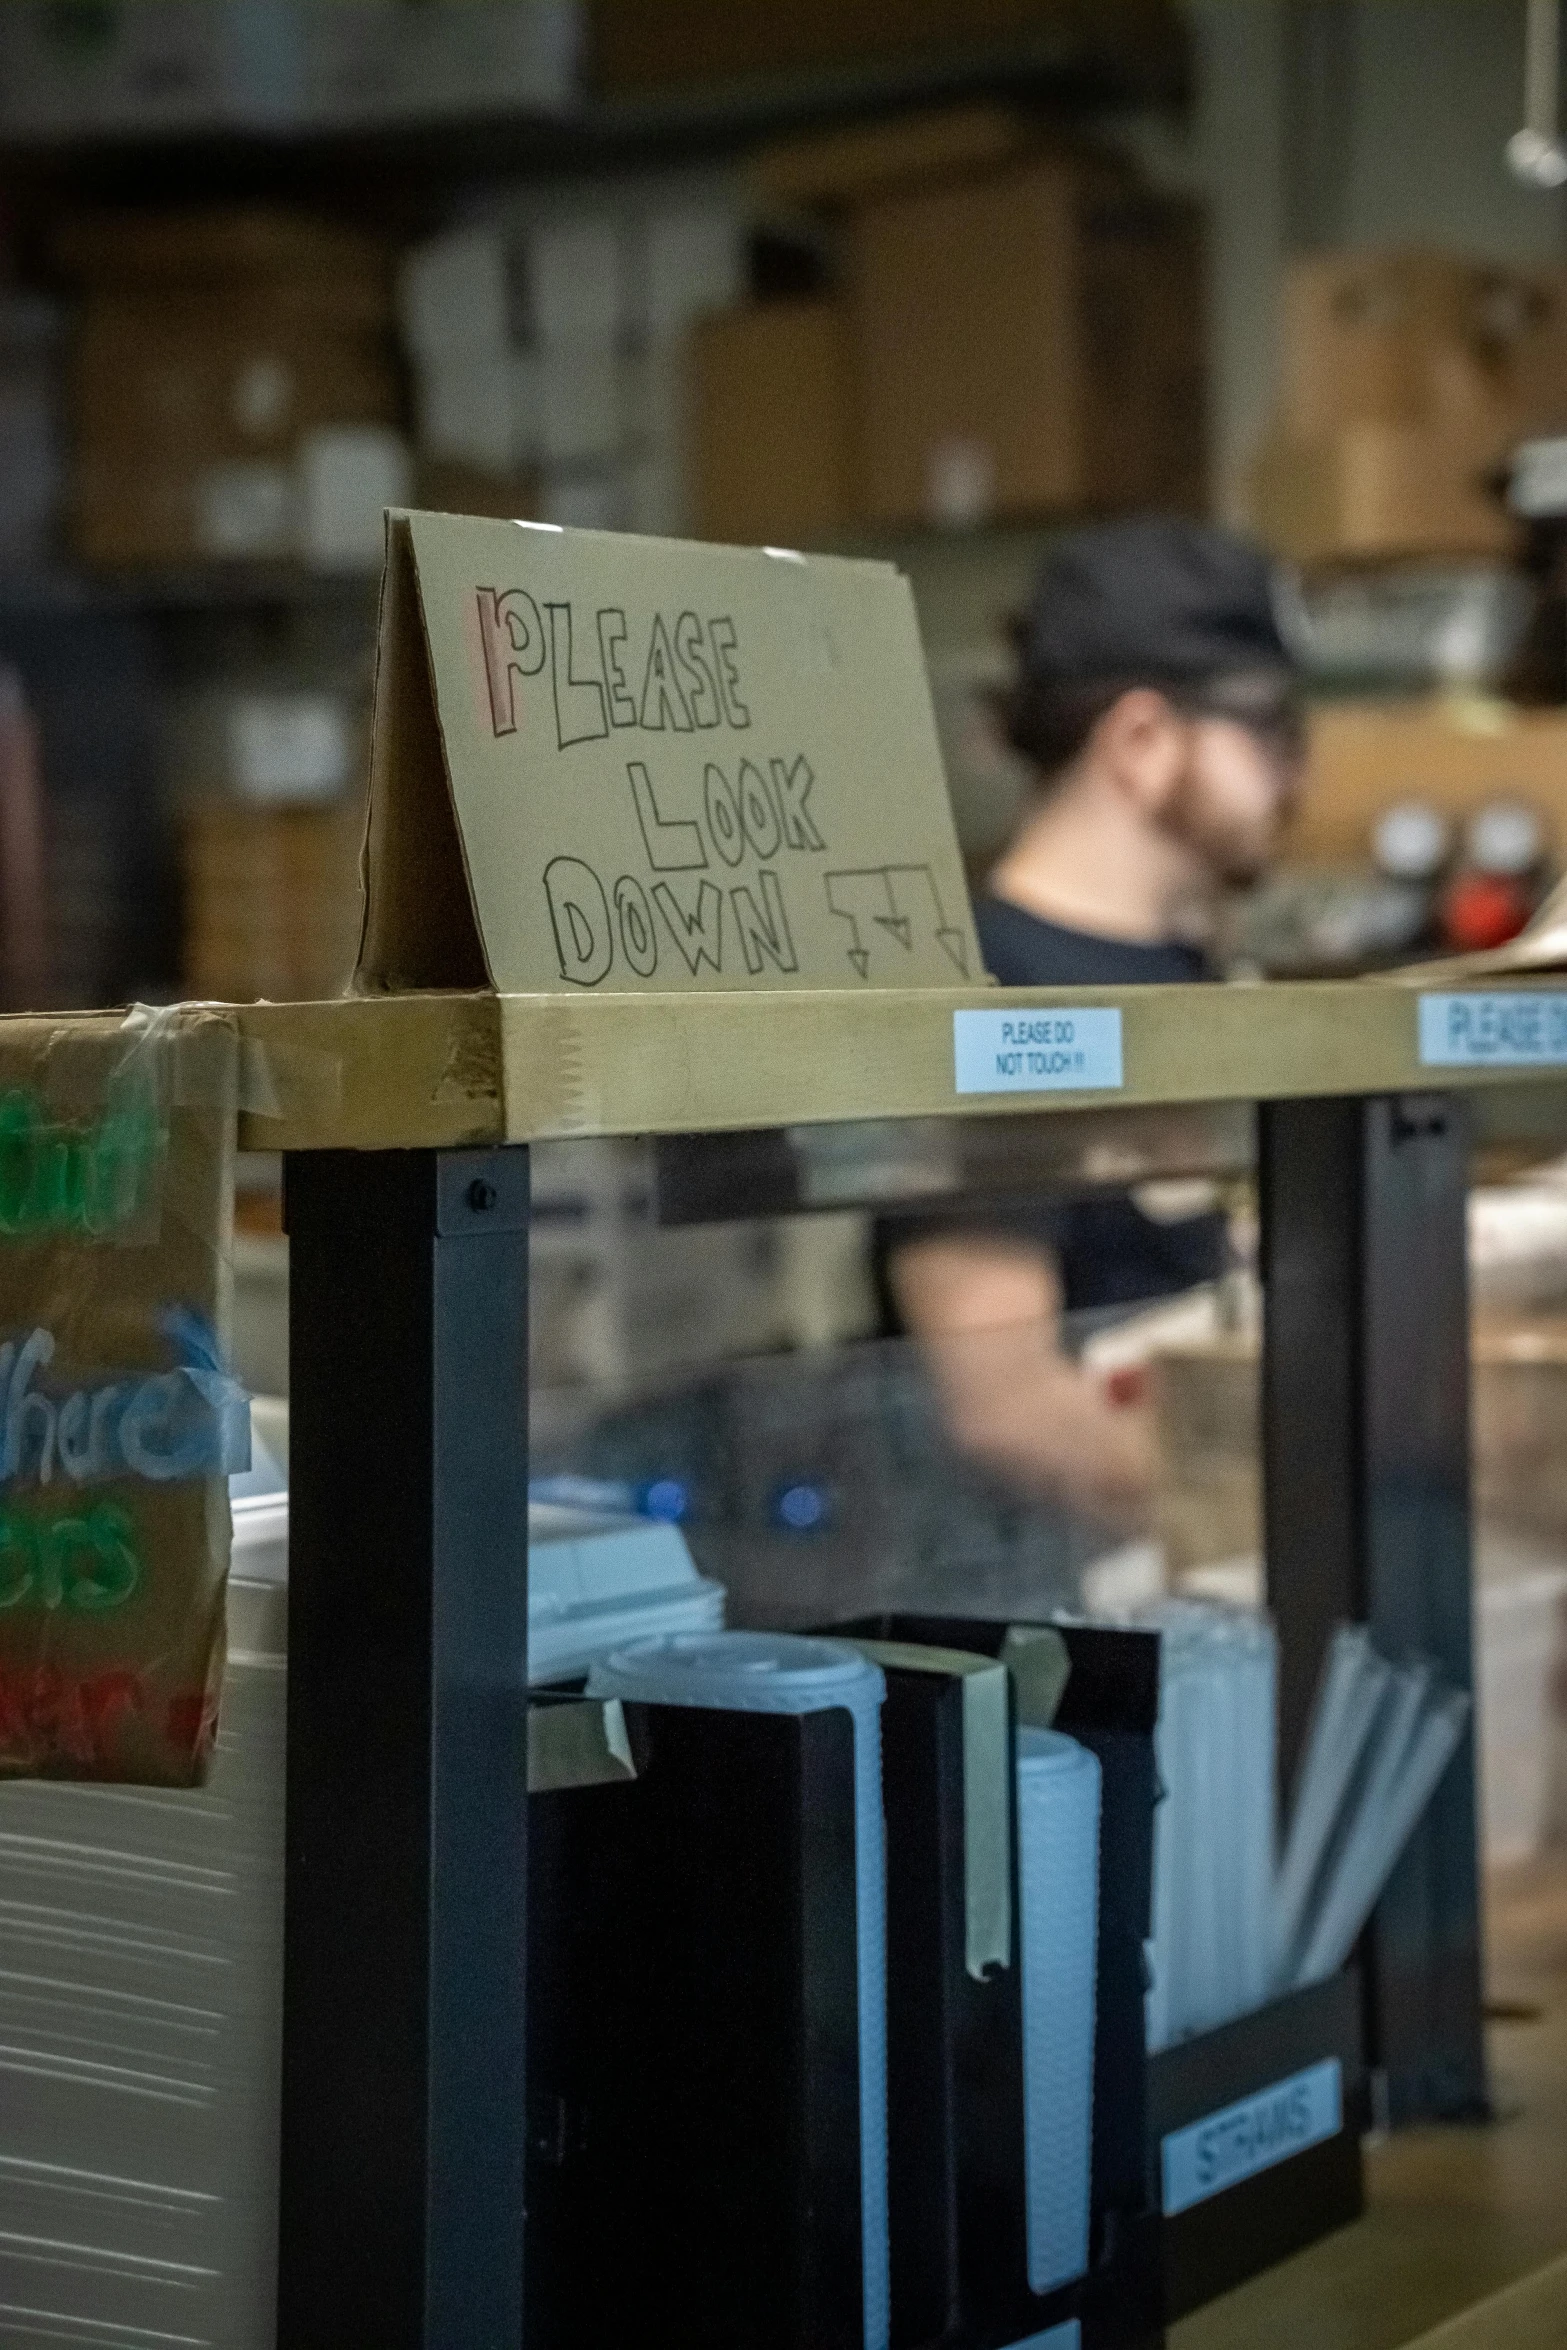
{"x": 707, "y": 2036}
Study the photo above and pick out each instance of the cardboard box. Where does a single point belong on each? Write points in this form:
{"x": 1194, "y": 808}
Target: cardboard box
{"x": 1470, "y": 350}
{"x": 1028, "y": 343}
{"x": 224, "y": 250}
{"x": 210, "y": 347}
{"x": 1454, "y": 755}
{"x": 272, "y": 900}
{"x": 1379, "y": 491}
{"x": 192, "y": 376}
{"x": 770, "y": 424}
{"x": 1406, "y": 378}
{"x": 112, "y": 1635}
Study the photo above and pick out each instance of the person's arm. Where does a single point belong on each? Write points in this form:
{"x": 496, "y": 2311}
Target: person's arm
{"x": 987, "y": 1310}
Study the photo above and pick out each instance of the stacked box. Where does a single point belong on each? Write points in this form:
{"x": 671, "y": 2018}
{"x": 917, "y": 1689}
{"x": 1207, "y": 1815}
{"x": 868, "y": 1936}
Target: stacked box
{"x": 272, "y": 901}
{"x": 548, "y": 350}
{"x": 1028, "y": 343}
{"x": 1406, "y": 378}
{"x": 1006, "y": 333}
{"x": 220, "y": 358}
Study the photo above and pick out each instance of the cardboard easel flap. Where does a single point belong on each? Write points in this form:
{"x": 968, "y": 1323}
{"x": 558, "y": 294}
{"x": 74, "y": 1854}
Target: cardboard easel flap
{"x": 419, "y": 926}
{"x": 608, "y": 764}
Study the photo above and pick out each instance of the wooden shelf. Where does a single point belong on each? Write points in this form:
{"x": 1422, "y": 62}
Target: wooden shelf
{"x": 433, "y": 1070}
{"x": 197, "y": 588}
{"x": 405, "y": 167}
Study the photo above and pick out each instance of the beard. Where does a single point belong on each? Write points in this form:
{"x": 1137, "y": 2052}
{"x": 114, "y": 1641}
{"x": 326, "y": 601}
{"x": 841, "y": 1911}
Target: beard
{"x": 1235, "y": 845}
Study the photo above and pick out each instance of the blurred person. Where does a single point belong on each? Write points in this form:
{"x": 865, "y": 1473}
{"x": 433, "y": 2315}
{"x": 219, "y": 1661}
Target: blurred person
{"x": 1157, "y": 705}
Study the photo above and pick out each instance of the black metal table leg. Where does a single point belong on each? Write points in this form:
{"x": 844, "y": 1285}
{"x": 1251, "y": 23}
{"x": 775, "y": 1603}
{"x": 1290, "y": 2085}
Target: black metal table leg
{"x": 403, "y": 2136}
{"x": 1366, "y": 1471}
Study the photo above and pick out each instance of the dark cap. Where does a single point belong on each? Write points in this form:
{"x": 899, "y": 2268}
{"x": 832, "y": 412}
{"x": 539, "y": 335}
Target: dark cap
{"x": 1153, "y": 601}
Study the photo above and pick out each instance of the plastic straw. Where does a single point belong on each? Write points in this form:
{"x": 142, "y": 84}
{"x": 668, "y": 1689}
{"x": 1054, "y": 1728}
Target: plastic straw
{"x": 1383, "y": 1826}
{"x": 1354, "y": 1685}
{"x": 1210, "y": 1955}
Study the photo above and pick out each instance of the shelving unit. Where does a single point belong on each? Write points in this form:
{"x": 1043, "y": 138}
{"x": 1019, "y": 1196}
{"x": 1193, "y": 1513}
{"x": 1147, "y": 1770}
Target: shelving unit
{"x": 1086, "y": 64}
{"x": 216, "y": 587}
{"x": 404, "y": 1122}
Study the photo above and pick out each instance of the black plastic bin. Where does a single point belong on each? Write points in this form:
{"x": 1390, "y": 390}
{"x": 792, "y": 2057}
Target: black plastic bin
{"x": 1254, "y": 2139}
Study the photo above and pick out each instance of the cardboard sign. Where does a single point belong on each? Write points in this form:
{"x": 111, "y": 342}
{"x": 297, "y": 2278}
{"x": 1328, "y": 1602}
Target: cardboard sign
{"x": 602, "y": 763}
{"x": 118, "y": 1423}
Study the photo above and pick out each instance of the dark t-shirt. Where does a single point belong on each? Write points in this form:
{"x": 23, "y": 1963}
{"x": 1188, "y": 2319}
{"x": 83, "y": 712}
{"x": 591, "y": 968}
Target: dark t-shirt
{"x": 1107, "y": 1251}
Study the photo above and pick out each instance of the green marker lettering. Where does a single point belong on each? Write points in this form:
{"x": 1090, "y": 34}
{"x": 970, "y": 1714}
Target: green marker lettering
{"x": 87, "y": 1563}
{"x": 60, "y": 1178}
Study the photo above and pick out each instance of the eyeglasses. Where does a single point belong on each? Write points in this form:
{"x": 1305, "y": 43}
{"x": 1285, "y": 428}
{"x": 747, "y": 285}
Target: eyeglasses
{"x": 1269, "y": 708}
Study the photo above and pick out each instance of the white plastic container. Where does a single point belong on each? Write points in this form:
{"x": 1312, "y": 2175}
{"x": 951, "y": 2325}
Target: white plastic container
{"x": 1520, "y": 1654}
{"x": 596, "y": 1583}
{"x": 1058, "y": 1876}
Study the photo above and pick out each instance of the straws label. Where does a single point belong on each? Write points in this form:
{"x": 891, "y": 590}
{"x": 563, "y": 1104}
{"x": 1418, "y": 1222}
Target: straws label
{"x": 1037, "y": 1052}
{"x": 1251, "y": 2136}
{"x": 1514, "y": 1031}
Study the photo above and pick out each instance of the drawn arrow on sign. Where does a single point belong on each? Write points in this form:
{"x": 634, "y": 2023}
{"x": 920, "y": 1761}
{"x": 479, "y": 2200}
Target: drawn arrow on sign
{"x": 892, "y": 897}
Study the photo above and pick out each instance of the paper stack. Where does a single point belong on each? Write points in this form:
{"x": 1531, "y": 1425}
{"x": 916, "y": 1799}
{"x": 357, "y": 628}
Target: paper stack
{"x": 141, "y": 1958}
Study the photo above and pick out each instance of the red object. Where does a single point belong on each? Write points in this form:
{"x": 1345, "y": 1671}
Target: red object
{"x": 1483, "y": 910}
{"x": 1128, "y": 1384}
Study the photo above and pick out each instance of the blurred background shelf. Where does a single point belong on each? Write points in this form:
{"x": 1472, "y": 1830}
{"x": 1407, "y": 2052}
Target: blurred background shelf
{"x": 605, "y": 254}
{"x": 199, "y": 590}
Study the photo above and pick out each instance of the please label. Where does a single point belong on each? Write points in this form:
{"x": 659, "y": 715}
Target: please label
{"x": 1512, "y": 1031}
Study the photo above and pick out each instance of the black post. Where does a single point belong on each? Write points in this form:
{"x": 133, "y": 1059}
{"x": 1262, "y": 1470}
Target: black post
{"x": 404, "y": 2131}
{"x": 1365, "y": 1418}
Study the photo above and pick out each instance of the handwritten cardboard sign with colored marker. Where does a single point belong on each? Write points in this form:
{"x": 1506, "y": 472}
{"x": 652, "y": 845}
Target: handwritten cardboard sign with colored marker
{"x": 118, "y": 1421}
{"x": 603, "y": 764}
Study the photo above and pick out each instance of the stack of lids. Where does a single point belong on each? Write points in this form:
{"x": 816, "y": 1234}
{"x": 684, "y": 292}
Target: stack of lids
{"x": 598, "y": 1580}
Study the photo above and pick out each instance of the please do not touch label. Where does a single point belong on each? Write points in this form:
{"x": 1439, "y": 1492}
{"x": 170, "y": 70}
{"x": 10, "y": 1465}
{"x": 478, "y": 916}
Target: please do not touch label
{"x": 1049, "y": 1051}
